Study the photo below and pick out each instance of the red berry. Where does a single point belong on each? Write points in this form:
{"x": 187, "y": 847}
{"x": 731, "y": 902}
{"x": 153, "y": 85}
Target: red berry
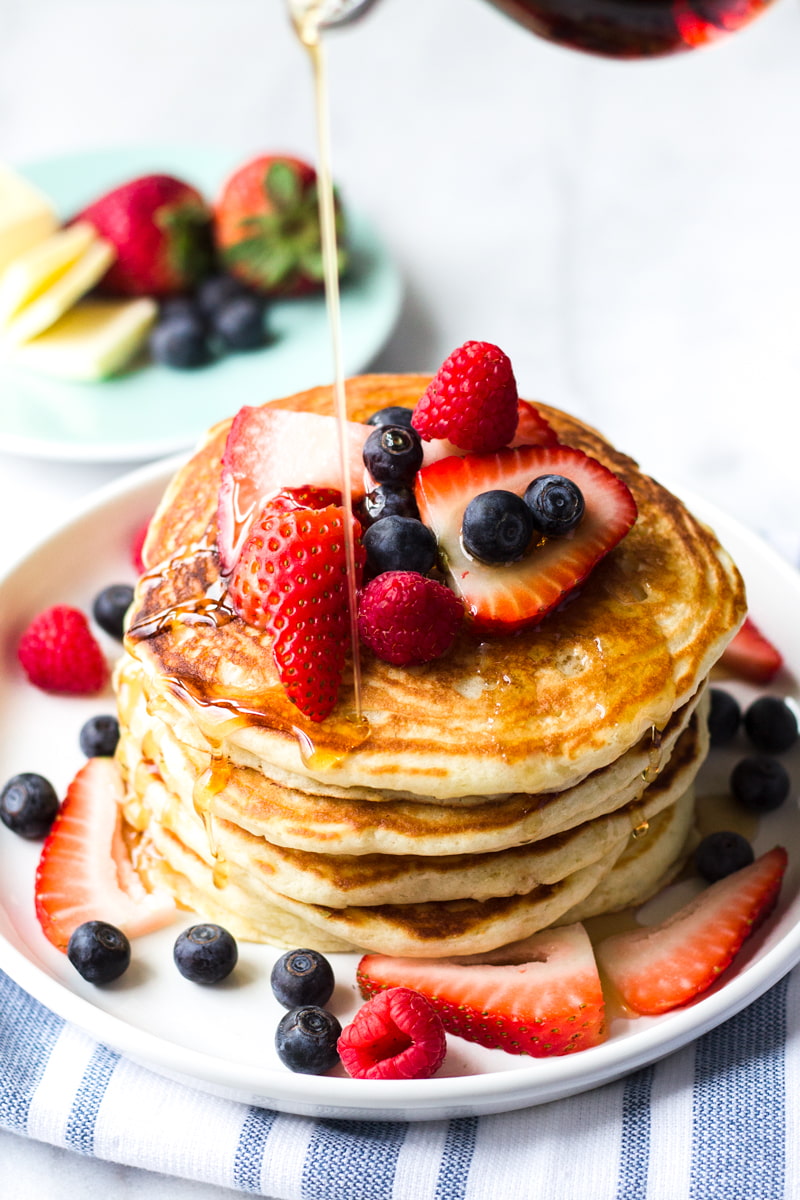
{"x": 137, "y": 546}
{"x": 751, "y": 655}
{"x": 471, "y": 401}
{"x": 405, "y": 618}
{"x": 60, "y": 654}
{"x": 396, "y": 1035}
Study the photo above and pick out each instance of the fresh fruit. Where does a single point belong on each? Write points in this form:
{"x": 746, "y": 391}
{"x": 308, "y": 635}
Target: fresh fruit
{"x": 291, "y": 581}
{"x": 393, "y": 414}
{"x": 532, "y": 428}
{"x": 137, "y": 547}
{"x": 110, "y": 606}
{"x": 37, "y": 269}
{"x": 180, "y": 341}
{"x": 27, "y": 217}
{"x": 770, "y": 725}
{"x": 720, "y": 854}
{"x": 267, "y": 227}
{"x": 85, "y": 872}
{"x": 551, "y": 1005}
{"x": 240, "y": 324}
{"x": 305, "y": 497}
{"x": 471, "y": 401}
{"x": 269, "y": 450}
{"x": 60, "y": 654}
{"x": 306, "y": 1040}
{"x": 53, "y": 304}
{"x": 399, "y": 544}
{"x": 395, "y": 1035}
{"x": 28, "y": 805}
{"x": 389, "y": 500}
{"x": 393, "y": 454}
{"x": 94, "y": 340}
{"x": 724, "y": 717}
{"x": 160, "y": 228}
{"x": 99, "y": 952}
{"x": 405, "y": 618}
{"x": 99, "y": 736}
{"x": 751, "y": 655}
{"x": 205, "y": 953}
{"x": 556, "y": 504}
{"x": 505, "y": 597}
{"x": 661, "y": 967}
{"x": 302, "y": 977}
{"x": 215, "y": 291}
{"x": 760, "y": 783}
{"x": 496, "y": 527}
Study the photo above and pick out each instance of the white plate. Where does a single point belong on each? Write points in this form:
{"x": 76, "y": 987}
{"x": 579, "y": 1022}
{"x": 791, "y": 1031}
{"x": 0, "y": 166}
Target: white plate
{"x": 154, "y": 410}
{"x": 221, "y": 1039}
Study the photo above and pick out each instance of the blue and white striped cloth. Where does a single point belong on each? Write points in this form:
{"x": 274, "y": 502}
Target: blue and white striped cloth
{"x": 718, "y": 1120}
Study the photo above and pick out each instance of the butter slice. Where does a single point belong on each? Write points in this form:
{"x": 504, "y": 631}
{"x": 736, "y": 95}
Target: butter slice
{"x": 30, "y": 274}
{"x": 26, "y": 216}
{"x": 79, "y": 278}
{"x": 92, "y": 340}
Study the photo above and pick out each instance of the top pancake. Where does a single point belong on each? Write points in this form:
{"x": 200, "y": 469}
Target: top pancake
{"x": 533, "y": 712}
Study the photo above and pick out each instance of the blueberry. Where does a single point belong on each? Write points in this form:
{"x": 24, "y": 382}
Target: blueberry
{"x": 28, "y": 805}
{"x": 180, "y": 341}
{"x": 556, "y": 503}
{"x": 720, "y": 854}
{"x": 306, "y": 1040}
{"x": 770, "y": 725}
{"x": 216, "y": 291}
{"x": 205, "y": 953}
{"x": 390, "y": 500}
{"x": 760, "y": 783}
{"x": 99, "y": 736}
{"x": 497, "y": 527}
{"x": 724, "y": 717}
{"x": 180, "y": 306}
{"x": 399, "y": 544}
{"x": 393, "y": 415}
{"x": 393, "y": 454}
{"x": 110, "y": 606}
{"x": 239, "y": 323}
{"x": 302, "y": 977}
{"x": 99, "y": 952}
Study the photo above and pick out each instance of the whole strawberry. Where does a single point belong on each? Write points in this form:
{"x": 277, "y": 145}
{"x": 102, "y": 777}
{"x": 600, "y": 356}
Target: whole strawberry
{"x": 267, "y": 228}
{"x": 161, "y": 230}
{"x": 291, "y": 581}
{"x": 59, "y": 652}
{"x": 472, "y": 400}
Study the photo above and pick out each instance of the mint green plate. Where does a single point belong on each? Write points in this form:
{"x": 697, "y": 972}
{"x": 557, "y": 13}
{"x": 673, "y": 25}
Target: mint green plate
{"x": 152, "y": 410}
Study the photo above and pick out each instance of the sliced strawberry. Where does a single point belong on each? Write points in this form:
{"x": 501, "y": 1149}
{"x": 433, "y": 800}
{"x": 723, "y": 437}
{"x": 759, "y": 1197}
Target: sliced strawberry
{"x": 85, "y": 872}
{"x": 305, "y": 497}
{"x": 661, "y": 967}
{"x": 271, "y": 449}
{"x": 751, "y": 655}
{"x": 548, "y": 1006}
{"x": 532, "y": 430}
{"x": 505, "y": 597}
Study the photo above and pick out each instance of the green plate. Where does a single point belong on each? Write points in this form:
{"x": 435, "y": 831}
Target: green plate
{"x": 153, "y": 410}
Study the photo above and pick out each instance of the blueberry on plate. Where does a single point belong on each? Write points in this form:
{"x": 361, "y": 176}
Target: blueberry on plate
{"x": 720, "y": 854}
{"x": 99, "y": 736}
{"x": 180, "y": 306}
{"x": 724, "y": 717}
{"x": 180, "y": 341}
{"x": 770, "y": 725}
{"x": 393, "y": 453}
{"x": 497, "y": 527}
{"x": 390, "y": 500}
{"x": 205, "y": 953}
{"x": 110, "y": 606}
{"x": 216, "y": 291}
{"x": 99, "y": 952}
{"x": 239, "y": 323}
{"x": 556, "y": 503}
{"x": 760, "y": 783}
{"x": 302, "y": 977}
{"x": 306, "y": 1040}
{"x": 28, "y": 805}
{"x": 394, "y": 414}
{"x": 399, "y": 544}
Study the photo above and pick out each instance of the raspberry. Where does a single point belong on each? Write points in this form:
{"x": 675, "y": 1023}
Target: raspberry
{"x": 60, "y": 654}
{"x": 405, "y": 618}
{"x": 137, "y": 545}
{"x": 472, "y": 400}
{"x": 396, "y": 1035}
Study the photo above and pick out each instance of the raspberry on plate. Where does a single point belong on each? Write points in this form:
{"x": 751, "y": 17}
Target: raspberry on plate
{"x": 405, "y": 618}
{"x": 395, "y": 1035}
{"x": 59, "y": 653}
{"x": 471, "y": 401}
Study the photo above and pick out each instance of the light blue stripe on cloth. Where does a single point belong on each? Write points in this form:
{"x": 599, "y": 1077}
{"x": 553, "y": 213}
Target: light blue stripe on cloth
{"x": 79, "y": 1134}
{"x": 635, "y": 1136}
{"x": 459, "y": 1149}
{"x": 353, "y": 1160}
{"x": 28, "y": 1033}
{"x": 250, "y": 1150}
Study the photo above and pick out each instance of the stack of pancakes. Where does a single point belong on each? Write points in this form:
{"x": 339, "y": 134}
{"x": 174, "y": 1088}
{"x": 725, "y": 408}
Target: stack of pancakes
{"x": 515, "y": 783}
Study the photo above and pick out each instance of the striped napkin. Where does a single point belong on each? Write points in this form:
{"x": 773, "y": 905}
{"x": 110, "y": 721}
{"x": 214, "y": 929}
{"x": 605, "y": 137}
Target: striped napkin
{"x": 717, "y": 1120}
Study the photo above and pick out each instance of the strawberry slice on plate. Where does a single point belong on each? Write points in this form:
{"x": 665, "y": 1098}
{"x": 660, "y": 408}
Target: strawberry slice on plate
{"x": 532, "y": 430}
{"x": 550, "y": 1005}
{"x": 85, "y": 872}
{"x": 751, "y": 655}
{"x": 660, "y": 967}
{"x": 502, "y": 598}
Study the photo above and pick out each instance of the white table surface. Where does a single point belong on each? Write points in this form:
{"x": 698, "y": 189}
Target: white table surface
{"x": 627, "y": 232}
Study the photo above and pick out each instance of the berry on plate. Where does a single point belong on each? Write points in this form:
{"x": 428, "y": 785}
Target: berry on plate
{"x": 551, "y": 1005}
{"x": 84, "y": 871}
{"x": 205, "y": 953}
{"x": 99, "y": 952}
{"x": 751, "y": 655}
{"x": 721, "y": 853}
{"x": 59, "y": 652}
{"x": 396, "y": 1035}
{"x": 302, "y": 977}
{"x": 110, "y": 606}
{"x": 271, "y": 449}
{"x": 306, "y": 1040}
{"x": 291, "y": 581}
{"x": 28, "y": 805}
{"x": 398, "y": 543}
{"x": 393, "y": 453}
{"x": 760, "y": 783}
{"x": 724, "y": 717}
{"x": 405, "y": 618}
{"x": 503, "y": 597}
{"x": 661, "y": 967}
{"x": 770, "y": 725}
{"x": 99, "y": 736}
{"x": 471, "y": 401}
